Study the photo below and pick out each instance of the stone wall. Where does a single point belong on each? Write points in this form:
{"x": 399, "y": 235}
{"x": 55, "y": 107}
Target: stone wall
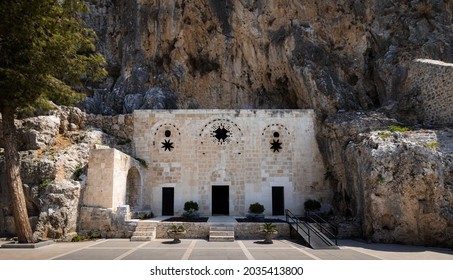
{"x": 109, "y": 223}
{"x": 107, "y": 182}
{"x": 121, "y": 126}
{"x": 431, "y": 94}
{"x": 260, "y": 149}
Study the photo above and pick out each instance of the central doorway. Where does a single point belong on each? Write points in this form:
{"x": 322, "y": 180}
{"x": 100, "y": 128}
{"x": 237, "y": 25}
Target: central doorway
{"x": 278, "y": 201}
{"x": 220, "y": 200}
{"x": 168, "y": 201}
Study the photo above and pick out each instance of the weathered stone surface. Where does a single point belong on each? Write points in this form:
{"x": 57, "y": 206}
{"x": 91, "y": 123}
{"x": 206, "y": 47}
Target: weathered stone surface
{"x": 405, "y": 185}
{"x": 58, "y": 216}
{"x": 50, "y": 163}
{"x": 262, "y": 54}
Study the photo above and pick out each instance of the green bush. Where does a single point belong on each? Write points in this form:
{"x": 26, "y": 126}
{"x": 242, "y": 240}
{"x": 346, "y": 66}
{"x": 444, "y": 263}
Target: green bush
{"x": 269, "y": 227}
{"x": 312, "y": 205}
{"x": 191, "y": 206}
{"x": 398, "y": 128}
{"x": 44, "y": 184}
{"x": 77, "y": 172}
{"x": 78, "y": 238}
{"x": 256, "y": 208}
{"x": 175, "y": 228}
{"x": 146, "y": 216}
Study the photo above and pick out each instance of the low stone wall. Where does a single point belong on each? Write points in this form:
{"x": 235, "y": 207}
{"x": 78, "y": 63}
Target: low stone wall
{"x": 112, "y": 224}
{"x": 119, "y": 125}
{"x": 253, "y": 231}
{"x": 105, "y": 221}
{"x": 193, "y": 230}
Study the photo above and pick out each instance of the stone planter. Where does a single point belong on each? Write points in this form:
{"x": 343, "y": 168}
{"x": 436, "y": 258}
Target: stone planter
{"x": 268, "y": 237}
{"x": 176, "y": 235}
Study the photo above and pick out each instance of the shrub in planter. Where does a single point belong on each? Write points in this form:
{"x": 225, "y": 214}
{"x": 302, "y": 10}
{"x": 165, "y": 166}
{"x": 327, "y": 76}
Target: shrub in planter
{"x": 256, "y": 208}
{"x": 312, "y": 205}
{"x": 190, "y": 206}
{"x": 269, "y": 230}
{"x": 191, "y": 210}
{"x": 176, "y": 232}
{"x": 256, "y": 212}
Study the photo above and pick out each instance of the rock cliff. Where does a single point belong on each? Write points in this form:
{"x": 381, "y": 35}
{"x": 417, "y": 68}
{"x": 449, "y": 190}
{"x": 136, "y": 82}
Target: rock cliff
{"x": 327, "y": 55}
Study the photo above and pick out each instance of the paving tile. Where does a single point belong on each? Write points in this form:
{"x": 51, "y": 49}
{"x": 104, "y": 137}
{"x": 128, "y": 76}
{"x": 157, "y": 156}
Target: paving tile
{"x": 93, "y": 254}
{"x": 166, "y": 244}
{"x": 118, "y": 244}
{"x": 208, "y": 254}
{"x": 150, "y": 254}
{"x": 278, "y": 254}
{"x": 342, "y": 254}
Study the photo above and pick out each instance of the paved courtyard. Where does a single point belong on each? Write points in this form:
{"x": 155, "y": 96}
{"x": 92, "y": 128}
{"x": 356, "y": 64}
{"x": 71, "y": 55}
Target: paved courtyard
{"x": 200, "y": 249}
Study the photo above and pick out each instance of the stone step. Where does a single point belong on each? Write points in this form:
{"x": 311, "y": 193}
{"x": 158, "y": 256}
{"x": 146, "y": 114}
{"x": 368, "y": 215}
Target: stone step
{"x": 145, "y": 228}
{"x": 142, "y": 238}
{"x": 144, "y": 232}
{"x": 221, "y": 233}
{"x": 221, "y": 228}
{"x": 221, "y": 238}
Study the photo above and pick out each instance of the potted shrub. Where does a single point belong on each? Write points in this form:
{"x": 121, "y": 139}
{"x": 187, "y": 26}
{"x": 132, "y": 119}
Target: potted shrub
{"x": 312, "y": 205}
{"x": 269, "y": 230}
{"x": 176, "y": 232}
{"x": 191, "y": 210}
{"x": 256, "y": 212}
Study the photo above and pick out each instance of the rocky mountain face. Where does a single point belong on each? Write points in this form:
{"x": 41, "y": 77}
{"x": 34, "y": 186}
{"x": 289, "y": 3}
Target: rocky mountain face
{"x": 327, "y": 55}
{"x": 352, "y": 61}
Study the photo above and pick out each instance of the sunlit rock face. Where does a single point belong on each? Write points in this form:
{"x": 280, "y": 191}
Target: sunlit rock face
{"x": 324, "y": 55}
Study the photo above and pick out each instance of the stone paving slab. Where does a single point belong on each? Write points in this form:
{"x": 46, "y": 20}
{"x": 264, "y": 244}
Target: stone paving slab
{"x": 201, "y": 249}
{"x": 208, "y": 254}
{"x": 278, "y": 254}
{"x": 93, "y": 254}
{"x": 150, "y": 254}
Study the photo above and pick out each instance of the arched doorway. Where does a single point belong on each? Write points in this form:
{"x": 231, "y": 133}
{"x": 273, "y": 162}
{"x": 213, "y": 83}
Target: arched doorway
{"x": 133, "y": 189}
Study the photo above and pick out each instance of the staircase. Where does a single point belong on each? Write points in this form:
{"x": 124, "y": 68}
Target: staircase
{"x": 311, "y": 235}
{"x": 145, "y": 231}
{"x": 221, "y": 233}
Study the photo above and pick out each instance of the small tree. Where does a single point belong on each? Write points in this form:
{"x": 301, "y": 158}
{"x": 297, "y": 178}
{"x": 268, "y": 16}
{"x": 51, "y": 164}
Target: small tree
{"x": 45, "y": 55}
{"x": 312, "y": 205}
{"x": 190, "y": 206}
{"x": 256, "y": 208}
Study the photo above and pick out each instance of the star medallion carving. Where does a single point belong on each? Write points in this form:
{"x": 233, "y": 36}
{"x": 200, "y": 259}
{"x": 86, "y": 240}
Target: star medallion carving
{"x": 276, "y": 146}
{"x": 167, "y": 145}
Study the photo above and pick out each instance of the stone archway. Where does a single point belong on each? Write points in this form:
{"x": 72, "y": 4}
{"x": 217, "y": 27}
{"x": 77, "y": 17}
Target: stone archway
{"x": 134, "y": 189}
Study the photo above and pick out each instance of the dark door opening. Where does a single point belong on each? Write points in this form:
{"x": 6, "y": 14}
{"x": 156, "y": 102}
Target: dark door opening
{"x": 168, "y": 201}
{"x": 220, "y": 200}
{"x": 278, "y": 201}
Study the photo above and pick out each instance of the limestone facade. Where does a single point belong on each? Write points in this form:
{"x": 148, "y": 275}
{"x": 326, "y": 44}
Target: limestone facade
{"x": 113, "y": 180}
{"x": 226, "y": 160}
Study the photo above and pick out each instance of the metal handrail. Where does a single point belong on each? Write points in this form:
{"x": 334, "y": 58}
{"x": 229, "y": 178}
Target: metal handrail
{"x": 309, "y": 214}
{"x": 296, "y": 221}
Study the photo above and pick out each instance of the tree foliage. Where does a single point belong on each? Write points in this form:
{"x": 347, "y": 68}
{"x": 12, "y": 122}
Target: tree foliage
{"x": 46, "y": 52}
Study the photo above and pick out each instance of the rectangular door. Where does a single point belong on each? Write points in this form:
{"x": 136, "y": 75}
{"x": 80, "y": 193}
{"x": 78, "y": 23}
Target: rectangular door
{"x": 278, "y": 201}
{"x": 168, "y": 201}
{"x": 220, "y": 200}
